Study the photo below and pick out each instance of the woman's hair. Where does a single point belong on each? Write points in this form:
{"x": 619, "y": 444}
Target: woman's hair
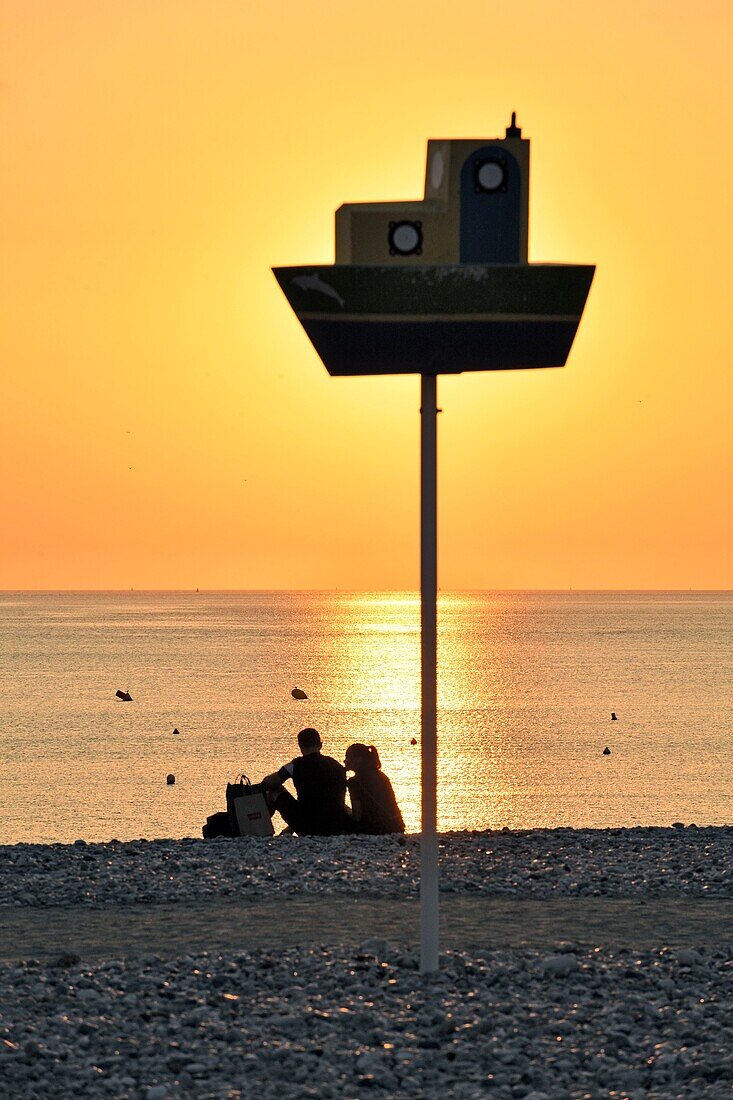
{"x": 365, "y": 756}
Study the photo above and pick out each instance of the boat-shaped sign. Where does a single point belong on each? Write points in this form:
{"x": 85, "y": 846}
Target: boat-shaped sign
{"x": 442, "y": 285}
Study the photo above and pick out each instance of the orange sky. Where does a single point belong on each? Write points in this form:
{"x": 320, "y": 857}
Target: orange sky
{"x": 164, "y": 421}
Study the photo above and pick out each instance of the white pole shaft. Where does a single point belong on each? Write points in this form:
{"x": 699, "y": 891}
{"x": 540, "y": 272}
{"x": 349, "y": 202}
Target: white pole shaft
{"x": 429, "y": 932}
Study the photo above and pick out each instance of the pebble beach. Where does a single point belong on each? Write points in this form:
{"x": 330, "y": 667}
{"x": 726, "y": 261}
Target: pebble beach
{"x": 540, "y": 863}
{"x": 611, "y": 975}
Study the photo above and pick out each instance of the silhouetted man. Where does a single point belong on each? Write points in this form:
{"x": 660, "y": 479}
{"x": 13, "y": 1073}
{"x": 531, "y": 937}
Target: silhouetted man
{"x": 320, "y": 783}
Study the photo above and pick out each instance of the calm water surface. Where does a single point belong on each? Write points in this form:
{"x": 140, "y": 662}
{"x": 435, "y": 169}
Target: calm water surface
{"x": 527, "y": 685}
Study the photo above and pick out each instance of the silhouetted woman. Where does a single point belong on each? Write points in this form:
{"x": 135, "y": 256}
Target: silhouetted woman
{"x": 374, "y": 807}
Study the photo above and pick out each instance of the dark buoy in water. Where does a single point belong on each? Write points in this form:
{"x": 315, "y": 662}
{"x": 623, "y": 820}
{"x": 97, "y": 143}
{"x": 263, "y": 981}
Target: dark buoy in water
{"x": 613, "y": 716}
{"x": 170, "y": 779}
{"x": 176, "y": 730}
{"x": 606, "y": 751}
{"x": 413, "y": 741}
{"x": 124, "y": 696}
{"x": 298, "y": 693}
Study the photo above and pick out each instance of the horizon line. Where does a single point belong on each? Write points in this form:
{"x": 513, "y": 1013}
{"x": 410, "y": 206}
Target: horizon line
{"x": 256, "y": 591}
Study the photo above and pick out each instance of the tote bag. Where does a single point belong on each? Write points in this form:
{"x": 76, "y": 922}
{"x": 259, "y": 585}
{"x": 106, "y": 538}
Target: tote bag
{"x": 248, "y": 809}
{"x": 253, "y": 816}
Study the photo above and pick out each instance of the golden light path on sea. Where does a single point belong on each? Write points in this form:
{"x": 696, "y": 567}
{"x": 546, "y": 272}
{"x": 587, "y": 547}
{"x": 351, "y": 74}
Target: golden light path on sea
{"x": 376, "y": 661}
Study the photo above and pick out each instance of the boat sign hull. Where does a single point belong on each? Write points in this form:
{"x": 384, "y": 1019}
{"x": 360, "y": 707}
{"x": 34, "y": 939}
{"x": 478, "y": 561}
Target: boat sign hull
{"x": 439, "y": 319}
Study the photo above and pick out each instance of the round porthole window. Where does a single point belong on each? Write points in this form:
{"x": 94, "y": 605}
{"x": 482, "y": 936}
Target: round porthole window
{"x": 405, "y": 238}
{"x": 490, "y": 175}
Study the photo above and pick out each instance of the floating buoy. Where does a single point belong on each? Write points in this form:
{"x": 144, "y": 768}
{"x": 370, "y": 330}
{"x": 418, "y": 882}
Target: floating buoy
{"x": 613, "y": 716}
{"x": 413, "y": 741}
{"x": 124, "y": 696}
{"x": 298, "y": 693}
{"x": 606, "y": 751}
{"x": 170, "y": 779}
{"x": 176, "y": 731}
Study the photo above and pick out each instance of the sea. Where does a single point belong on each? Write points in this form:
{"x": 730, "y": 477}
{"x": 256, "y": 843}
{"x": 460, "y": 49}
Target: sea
{"x": 528, "y": 683}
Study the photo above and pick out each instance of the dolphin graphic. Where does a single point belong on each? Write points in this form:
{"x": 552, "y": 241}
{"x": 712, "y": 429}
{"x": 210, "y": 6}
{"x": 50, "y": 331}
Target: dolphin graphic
{"x": 315, "y": 282}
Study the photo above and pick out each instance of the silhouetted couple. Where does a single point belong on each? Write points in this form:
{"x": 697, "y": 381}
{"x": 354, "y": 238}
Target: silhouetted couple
{"x": 321, "y": 784}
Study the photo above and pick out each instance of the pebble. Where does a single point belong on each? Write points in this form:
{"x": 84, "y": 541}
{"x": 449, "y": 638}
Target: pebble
{"x": 638, "y": 863}
{"x": 379, "y": 948}
{"x": 559, "y": 964}
{"x": 687, "y": 956}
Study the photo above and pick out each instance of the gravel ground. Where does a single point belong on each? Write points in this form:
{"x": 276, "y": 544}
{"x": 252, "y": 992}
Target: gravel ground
{"x": 539, "y": 1020}
{"x": 615, "y": 863}
{"x": 515, "y": 1025}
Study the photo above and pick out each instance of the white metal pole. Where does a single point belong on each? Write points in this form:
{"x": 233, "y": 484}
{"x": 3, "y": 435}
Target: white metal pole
{"x": 429, "y": 933}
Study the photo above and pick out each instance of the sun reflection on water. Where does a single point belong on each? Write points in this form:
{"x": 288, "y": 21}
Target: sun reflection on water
{"x": 377, "y": 662}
